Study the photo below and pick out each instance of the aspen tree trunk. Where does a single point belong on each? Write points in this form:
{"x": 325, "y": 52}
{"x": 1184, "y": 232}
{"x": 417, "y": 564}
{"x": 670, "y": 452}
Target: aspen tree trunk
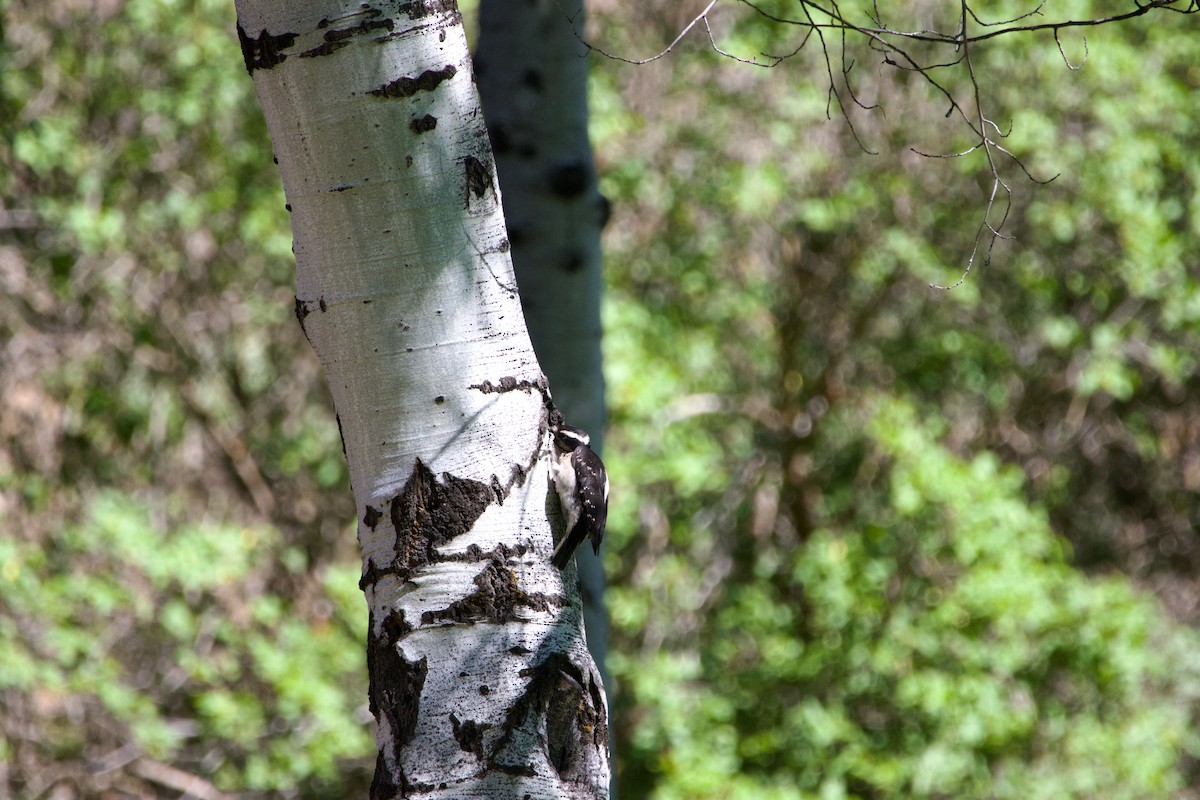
{"x": 532, "y": 71}
{"x": 481, "y": 684}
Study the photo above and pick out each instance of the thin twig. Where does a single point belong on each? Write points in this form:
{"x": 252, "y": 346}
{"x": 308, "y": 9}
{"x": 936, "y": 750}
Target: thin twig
{"x": 1063, "y": 53}
{"x": 820, "y": 16}
{"x": 775, "y": 61}
{"x": 701, "y": 17}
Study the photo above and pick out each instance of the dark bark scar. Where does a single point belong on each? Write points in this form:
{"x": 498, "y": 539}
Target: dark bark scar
{"x": 496, "y": 598}
{"x": 337, "y": 38}
{"x": 510, "y": 384}
{"x": 560, "y": 696}
{"x": 423, "y": 124}
{"x": 427, "y": 8}
{"x": 428, "y": 513}
{"x": 478, "y": 179}
{"x": 407, "y": 86}
{"x": 372, "y": 516}
{"x": 394, "y": 693}
{"x": 265, "y": 51}
{"x": 469, "y": 734}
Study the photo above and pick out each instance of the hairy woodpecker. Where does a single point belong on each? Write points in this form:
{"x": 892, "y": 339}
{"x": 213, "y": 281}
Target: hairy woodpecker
{"x": 582, "y": 485}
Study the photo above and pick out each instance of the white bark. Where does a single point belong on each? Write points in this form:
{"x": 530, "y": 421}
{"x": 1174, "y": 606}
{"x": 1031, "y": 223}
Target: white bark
{"x": 480, "y": 681}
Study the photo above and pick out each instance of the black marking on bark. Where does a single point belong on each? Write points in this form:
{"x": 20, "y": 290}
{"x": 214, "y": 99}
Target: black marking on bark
{"x": 520, "y": 770}
{"x": 572, "y": 707}
{"x": 568, "y": 181}
{"x": 478, "y": 178}
{"x": 499, "y": 490}
{"x": 427, "y": 514}
{"x": 394, "y": 693}
{"x": 303, "y": 309}
{"x": 439, "y": 399}
{"x": 364, "y": 11}
{"x": 406, "y": 86}
{"x": 598, "y": 702}
{"x": 426, "y": 8}
{"x": 561, "y": 721}
{"x": 338, "y": 38}
{"x": 371, "y": 516}
{"x": 382, "y": 786}
{"x": 469, "y": 734}
{"x": 485, "y": 690}
{"x": 501, "y": 552}
{"x": 518, "y": 650}
{"x": 557, "y": 693}
{"x": 341, "y": 436}
{"x": 325, "y": 49}
{"x": 532, "y": 79}
{"x": 511, "y": 384}
{"x": 396, "y": 626}
{"x": 423, "y": 124}
{"x": 266, "y": 51}
{"x": 495, "y": 599}
{"x": 370, "y": 576}
{"x": 287, "y": 207}
{"x": 573, "y": 262}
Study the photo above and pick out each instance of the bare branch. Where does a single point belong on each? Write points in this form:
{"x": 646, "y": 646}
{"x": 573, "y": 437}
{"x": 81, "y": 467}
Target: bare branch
{"x": 775, "y": 60}
{"x": 894, "y": 46}
{"x": 838, "y": 22}
{"x": 1037, "y": 12}
{"x": 1063, "y": 53}
{"x": 890, "y": 43}
{"x": 833, "y": 93}
{"x": 701, "y": 17}
{"x": 986, "y": 144}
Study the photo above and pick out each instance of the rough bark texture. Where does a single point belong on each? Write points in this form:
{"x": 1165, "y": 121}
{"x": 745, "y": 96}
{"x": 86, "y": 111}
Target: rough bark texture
{"x": 481, "y": 684}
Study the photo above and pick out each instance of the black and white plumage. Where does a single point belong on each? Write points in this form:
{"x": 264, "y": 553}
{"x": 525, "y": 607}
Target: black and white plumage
{"x": 582, "y": 485}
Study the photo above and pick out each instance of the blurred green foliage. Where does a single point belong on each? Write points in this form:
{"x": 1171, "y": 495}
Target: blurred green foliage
{"x": 178, "y": 573}
{"x": 871, "y": 539}
{"x": 933, "y": 643}
{"x": 867, "y": 539}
